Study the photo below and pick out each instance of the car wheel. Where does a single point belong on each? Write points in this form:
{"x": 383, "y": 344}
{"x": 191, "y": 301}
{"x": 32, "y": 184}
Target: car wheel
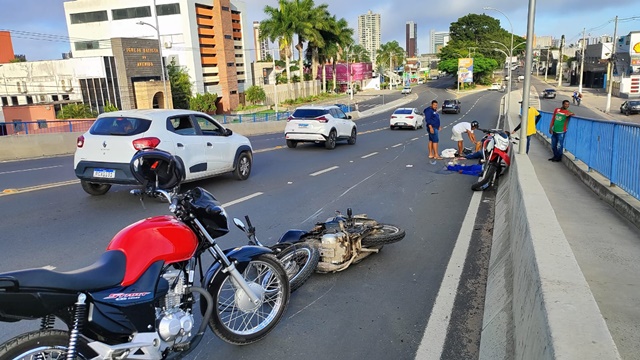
{"x": 330, "y": 143}
{"x": 391, "y": 127}
{"x": 291, "y": 144}
{"x": 627, "y": 112}
{"x": 353, "y": 137}
{"x": 94, "y": 188}
{"x": 243, "y": 166}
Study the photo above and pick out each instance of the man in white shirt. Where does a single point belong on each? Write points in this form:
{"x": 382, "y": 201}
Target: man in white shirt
{"x": 461, "y": 128}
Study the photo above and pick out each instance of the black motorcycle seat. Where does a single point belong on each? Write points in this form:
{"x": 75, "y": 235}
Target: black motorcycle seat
{"x": 107, "y": 272}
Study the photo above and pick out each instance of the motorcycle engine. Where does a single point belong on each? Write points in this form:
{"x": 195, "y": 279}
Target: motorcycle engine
{"x": 174, "y": 323}
{"x": 335, "y": 248}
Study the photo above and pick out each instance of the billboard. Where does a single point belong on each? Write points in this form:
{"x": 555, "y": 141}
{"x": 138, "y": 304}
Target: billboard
{"x": 465, "y": 70}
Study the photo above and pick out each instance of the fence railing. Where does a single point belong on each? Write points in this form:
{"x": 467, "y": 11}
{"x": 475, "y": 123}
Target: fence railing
{"x": 232, "y": 119}
{"x": 608, "y": 147}
{"x": 44, "y": 127}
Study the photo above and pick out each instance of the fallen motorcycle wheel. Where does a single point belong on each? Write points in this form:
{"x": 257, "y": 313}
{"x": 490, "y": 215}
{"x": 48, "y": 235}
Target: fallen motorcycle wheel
{"x": 382, "y": 235}
{"x": 239, "y": 321}
{"x": 299, "y": 261}
{"x": 488, "y": 177}
{"x": 43, "y": 344}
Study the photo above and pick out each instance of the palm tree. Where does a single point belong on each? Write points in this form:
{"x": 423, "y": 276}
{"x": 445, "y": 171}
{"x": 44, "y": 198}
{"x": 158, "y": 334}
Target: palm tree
{"x": 390, "y": 53}
{"x": 360, "y": 54}
{"x": 279, "y": 27}
{"x": 339, "y": 35}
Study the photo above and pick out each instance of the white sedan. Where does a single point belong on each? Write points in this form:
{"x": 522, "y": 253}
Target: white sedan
{"x": 204, "y": 146}
{"x": 406, "y": 117}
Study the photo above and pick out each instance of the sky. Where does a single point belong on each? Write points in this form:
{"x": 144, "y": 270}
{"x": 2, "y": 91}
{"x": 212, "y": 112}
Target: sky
{"x": 38, "y": 26}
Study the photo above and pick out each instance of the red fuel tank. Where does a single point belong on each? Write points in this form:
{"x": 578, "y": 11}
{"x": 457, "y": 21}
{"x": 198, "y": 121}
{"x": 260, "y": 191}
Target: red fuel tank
{"x": 152, "y": 239}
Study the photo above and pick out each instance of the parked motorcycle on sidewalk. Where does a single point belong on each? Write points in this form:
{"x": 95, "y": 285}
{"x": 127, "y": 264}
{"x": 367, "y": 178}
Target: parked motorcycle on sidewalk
{"x": 496, "y": 158}
{"x": 299, "y": 259}
{"x": 138, "y": 300}
{"x": 345, "y": 240}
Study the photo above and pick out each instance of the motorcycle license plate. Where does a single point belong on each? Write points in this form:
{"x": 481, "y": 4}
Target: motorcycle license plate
{"x": 104, "y": 173}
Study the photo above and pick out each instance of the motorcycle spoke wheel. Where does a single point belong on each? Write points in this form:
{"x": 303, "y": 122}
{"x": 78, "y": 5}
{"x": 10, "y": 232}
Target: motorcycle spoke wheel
{"x": 299, "y": 261}
{"x": 382, "y": 235}
{"x": 43, "y": 344}
{"x": 239, "y": 321}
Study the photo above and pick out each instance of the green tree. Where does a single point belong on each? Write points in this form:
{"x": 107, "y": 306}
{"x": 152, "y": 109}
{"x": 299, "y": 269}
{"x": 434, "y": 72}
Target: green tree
{"x": 390, "y": 53}
{"x": 109, "y": 107}
{"x": 205, "y": 103}
{"x": 76, "y": 111}
{"x": 255, "y": 94}
{"x": 180, "y": 85}
{"x": 360, "y": 54}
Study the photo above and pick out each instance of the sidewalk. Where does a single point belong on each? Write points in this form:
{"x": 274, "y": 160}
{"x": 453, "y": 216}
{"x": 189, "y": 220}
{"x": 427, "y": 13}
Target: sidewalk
{"x": 605, "y": 245}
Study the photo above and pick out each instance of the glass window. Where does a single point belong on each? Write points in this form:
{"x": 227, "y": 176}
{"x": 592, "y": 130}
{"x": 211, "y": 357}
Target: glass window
{"x": 402, "y": 111}
{"x": 168, "y": 9}
{"x": 182, "y": 125}
{"x": 209, "y": 126}
{"x": 89, "y": 17}
{"x": 18, "y": 125}
{"x": 42, "y": 124}
{"x": 309, "y": 113}
{"x": 131, "y": 13}
{"x": 119, "y": 126}
{"x": 87, "y": 45}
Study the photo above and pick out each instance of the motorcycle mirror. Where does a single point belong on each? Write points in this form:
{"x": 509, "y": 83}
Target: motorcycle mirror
{"x": 239, "y": 224}
{"x": 349, "y": 212}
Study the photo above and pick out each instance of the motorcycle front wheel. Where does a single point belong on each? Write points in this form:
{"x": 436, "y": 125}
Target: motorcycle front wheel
{"x": 43, "y": 344}
{"x": 382, "y": 235}
{"x": 299, "y": 261}
{"x": 488, "y": 177}
{"x": 236, "y": 319}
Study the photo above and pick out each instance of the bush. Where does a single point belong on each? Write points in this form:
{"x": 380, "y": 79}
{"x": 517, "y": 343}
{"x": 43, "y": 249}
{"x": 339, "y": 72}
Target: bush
{"x": 205, "y": 103}
{"x": 256, "y": 94}
{"x": 76, "y": 111}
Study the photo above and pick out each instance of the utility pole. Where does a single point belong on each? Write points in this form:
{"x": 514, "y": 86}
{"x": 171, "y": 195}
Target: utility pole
{"x": 526, "y": 87}
{"x": 559, "y": 67}
{"x": 582, "y": 61}
{"x": 546, "y": 66}
{"x": 610, "y": 67}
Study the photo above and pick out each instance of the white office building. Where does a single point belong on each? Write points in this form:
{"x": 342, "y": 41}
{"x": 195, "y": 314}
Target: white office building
{"x": 439, "y": 39}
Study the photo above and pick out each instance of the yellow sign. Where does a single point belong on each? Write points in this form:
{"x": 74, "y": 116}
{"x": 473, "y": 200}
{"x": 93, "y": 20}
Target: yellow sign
{"x": 636, "y": 48}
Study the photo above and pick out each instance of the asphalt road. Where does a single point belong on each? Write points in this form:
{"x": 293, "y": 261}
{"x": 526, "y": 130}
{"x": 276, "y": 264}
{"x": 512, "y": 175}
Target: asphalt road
{"x": 376, "y": 309}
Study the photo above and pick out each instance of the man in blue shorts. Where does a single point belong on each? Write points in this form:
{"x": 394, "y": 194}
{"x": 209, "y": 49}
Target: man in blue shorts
{"x": 432, "y": 118}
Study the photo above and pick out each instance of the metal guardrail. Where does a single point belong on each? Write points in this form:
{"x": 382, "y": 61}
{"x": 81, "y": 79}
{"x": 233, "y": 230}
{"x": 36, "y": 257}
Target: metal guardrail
{"x": 609, "y": 147}
{"x": 44, "y": 127}
{"x": 233, "y": 119}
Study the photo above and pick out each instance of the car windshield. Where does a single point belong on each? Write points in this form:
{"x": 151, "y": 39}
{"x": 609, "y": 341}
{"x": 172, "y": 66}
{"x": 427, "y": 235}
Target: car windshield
{"x": 309, "y": 113}
{"x": 123, "y": 126}
{"x": 402, "y": 111}
{"x": 550, "y": 90}
{"x": 449, "y": 102}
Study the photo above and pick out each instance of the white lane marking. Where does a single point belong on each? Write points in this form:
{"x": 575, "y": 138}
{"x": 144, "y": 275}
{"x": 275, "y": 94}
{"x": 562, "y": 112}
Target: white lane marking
{"x": 368, "y": 155}
{"x": 245, "y": 198}
{"x": 49, "y": 267}
{"x": 32, "y": 169}
{"x": 37, "y": 187}
{"x": 435, "y": 334}
{"x": 396, "y": 145}
{"x": 414, "y": 139}
{"x": 323, "y": 171}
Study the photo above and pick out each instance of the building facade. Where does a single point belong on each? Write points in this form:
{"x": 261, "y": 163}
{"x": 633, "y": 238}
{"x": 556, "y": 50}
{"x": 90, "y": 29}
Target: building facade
{"x": 261, "y": 46}
{"x": 206, "y": 38}
{"x": 439, "y": 39}
{"x": 369, "y": 33}
{"x": 411, "y": 36}
{"x": 6, "y": 47}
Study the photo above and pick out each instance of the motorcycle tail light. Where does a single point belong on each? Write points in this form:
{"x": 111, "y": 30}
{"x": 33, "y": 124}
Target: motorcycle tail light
{"x": 80, "y": 141}
{"x": 322, "y": 119}
{"x": 146, "y": 143}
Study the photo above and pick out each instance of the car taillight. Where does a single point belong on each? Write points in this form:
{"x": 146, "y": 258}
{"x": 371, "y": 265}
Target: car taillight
{"x": 80, "y": 141}
{"x": 290, "y": 118}
{"x": 410, "y": 117}
{"x": 146, "y": 143}
{"x": 322, "y": 119}
{"x": 393, "y": 116}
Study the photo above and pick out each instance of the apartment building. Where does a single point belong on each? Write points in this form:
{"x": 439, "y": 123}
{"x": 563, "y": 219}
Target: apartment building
{"x": 261, "y": 46}
{"x": 369, "y": 33}
{"x": 439, "y": 39}
{"x": 205, "y": 37}
{"x": 411, "y": 39}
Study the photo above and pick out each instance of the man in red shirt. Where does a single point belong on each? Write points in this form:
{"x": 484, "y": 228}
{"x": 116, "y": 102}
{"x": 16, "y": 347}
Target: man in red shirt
{"x": 558, "y": 128}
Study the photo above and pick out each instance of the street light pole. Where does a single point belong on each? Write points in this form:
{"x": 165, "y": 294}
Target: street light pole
{"x": 546, "y": 66}
{"x": 510, "y": 57}
{"x": 610, "y": 73}
{"x": 162, "y": 76}
{"x": 582, "y": 61}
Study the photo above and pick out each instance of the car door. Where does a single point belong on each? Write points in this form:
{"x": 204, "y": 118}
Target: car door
{"x": 342, "y": 122}
{"x": 189, "y": 145}
{"x": 419, "y": 118}
{"x": 220, "y": 149}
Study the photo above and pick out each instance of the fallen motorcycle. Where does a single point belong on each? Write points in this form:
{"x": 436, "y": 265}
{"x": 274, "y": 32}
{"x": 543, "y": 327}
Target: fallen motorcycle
{"x": 345, "y": 240}
{"x": 138, "y": 300}
{"x": 496, "y": 158}
{"x": 299, "y": 260}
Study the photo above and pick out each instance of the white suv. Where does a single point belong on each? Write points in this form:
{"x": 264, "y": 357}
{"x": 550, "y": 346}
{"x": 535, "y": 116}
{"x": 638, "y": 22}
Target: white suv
{"x": 204, "y": 146}
{"x": 319, "y": 124}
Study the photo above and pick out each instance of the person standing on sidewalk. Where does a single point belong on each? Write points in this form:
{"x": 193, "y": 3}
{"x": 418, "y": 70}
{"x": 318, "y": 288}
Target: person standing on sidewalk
{"x": 558, "y": 128}
{"x": 532, "y": 120}
{"x": 432, "y": 118}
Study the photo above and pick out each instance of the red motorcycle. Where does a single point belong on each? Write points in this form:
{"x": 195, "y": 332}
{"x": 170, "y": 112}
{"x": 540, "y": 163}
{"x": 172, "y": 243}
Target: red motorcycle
{"x": 138, "y": 300}
{"x": 496, "y": 157}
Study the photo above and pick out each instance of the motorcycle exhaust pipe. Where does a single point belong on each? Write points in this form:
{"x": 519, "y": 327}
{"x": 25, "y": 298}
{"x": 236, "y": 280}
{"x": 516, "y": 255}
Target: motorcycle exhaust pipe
{"x": 203, "y": 326}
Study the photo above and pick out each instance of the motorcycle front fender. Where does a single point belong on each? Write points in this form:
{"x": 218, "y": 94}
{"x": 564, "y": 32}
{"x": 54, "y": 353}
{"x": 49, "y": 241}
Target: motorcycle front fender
{"x": 240, "y": 256}
{"x": 292, "y": 236}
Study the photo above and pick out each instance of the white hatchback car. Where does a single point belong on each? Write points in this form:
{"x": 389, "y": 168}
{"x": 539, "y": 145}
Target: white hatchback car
{"x": 406, "y": 117}
{"x": 204, "y": 146}
{"x": 319, "y": 124}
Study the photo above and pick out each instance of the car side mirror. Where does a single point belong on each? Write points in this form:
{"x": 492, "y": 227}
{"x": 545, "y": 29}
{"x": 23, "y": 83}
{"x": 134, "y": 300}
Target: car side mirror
{"x": 228, "y": 132}
{"x": 348, "y": 116}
